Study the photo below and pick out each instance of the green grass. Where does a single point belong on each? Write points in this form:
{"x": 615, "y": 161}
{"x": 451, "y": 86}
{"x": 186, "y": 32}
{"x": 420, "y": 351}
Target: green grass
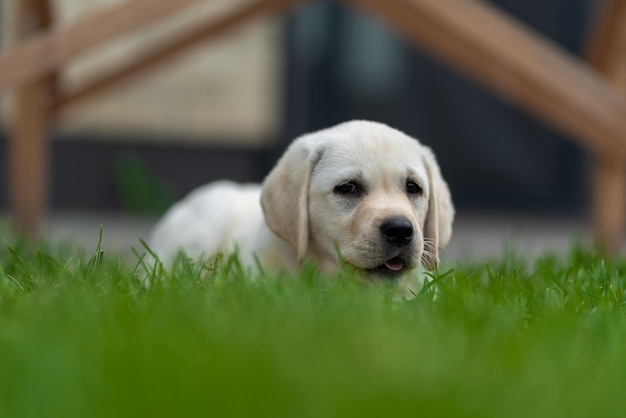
{"x": 80, "y": 337}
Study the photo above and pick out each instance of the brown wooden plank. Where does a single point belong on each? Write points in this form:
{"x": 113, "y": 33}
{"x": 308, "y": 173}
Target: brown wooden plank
{"x": 28, "y": 151}
{"x": 606, "y": 44}
{"x": 171, "y": 50}
{"x": 43, "y": 12}
{"x": 514, "y": 62}
{"x": 28, "y": 160}
{"x": 43, "y": 15}
{"x": 36, "y": 14}
{"x": 606, "y": 49}
{"x": 608, "y": 202}
{"x": 48, "y": 52}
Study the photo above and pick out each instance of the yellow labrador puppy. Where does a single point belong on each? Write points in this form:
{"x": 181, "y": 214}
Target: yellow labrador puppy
{"x": 360, "y": 193}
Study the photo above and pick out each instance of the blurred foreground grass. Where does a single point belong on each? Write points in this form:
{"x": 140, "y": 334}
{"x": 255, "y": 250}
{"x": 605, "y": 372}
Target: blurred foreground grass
{"x": 80, "y": 337}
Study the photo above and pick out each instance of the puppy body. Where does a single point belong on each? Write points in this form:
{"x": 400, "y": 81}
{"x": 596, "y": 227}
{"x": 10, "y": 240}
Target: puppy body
{"x": 221, "y": 217}
{"x": 359, "y": 192}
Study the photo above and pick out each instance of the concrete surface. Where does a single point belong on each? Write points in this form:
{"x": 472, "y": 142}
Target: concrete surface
{"x": 476, "y": 236}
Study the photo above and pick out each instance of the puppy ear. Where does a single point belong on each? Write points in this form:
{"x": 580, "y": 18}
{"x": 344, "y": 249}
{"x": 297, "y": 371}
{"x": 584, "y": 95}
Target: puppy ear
{"x": 285, "y": 193}
{"x": 440, "y": 214}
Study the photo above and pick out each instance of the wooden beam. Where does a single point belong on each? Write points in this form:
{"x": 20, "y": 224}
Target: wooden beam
{"x": 28, "y": 151}
{"x": 171, "y": 50}
{"x": 48, "y": 52}
{"x": 511, "y": 60}
{"x": 606, "y": 44}
{"x": 608, "y": 202}
{"x": 43, "y": 12}
{"x": 606, "y": 51}
{"x": 28, "y": 159}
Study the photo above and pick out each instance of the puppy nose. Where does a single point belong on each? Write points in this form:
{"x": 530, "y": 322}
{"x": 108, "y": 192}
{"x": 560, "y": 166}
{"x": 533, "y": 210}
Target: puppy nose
{"x": 397, "y": 231}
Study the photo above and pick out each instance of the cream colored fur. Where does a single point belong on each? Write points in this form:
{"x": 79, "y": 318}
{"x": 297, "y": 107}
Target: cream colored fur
{"x": 299, "y": 214}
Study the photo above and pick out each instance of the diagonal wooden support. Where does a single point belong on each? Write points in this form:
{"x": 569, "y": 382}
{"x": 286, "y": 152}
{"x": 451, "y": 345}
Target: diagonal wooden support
{"x": 606, "y": 51}
{"x": 47, "y": 52}
{"x": 171, "y": 50}
{"x": 512, "y": 61}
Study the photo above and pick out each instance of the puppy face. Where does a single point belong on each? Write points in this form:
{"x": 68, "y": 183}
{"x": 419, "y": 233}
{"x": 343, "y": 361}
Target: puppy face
{"x": 362, "y": 192}
{"x": 368, "y": 199}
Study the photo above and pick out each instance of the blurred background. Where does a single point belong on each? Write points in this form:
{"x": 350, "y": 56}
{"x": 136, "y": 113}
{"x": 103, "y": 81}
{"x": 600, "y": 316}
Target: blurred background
{"x": 228, "y": 109}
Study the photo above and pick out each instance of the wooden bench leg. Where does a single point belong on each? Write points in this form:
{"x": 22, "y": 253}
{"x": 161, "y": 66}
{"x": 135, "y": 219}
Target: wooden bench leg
{"x": 608, "y": 202}
{"x": 28, "y": 158}
{"x": 28, "y": 148}
{"x": 606, "y": 49}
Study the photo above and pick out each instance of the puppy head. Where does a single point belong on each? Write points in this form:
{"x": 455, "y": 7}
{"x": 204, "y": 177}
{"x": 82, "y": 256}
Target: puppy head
{"x": 363, "y": 190}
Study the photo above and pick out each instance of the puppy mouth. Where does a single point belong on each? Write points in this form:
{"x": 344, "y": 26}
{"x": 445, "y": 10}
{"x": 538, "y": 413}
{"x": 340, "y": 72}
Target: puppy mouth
{"x": 391, "y": 269}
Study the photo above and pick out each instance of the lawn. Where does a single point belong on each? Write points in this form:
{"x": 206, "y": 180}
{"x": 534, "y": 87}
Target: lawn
{"x": 80, "y": 337}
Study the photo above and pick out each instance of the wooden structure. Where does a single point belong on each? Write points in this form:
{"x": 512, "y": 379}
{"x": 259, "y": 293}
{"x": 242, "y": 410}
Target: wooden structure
{"x": 585, "y": 98}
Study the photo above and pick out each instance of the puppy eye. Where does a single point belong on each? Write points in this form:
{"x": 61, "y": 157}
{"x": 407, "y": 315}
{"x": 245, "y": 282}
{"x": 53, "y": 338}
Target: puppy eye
{"x": 413, "y": 188}
{"x": 349, "y": 188}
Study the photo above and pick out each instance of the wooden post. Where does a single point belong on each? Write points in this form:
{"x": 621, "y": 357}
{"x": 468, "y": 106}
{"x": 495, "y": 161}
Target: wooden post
{"x": 606, "y": 51}
{"x": 28, "y": 151}
{"x": 608, "y": 202}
